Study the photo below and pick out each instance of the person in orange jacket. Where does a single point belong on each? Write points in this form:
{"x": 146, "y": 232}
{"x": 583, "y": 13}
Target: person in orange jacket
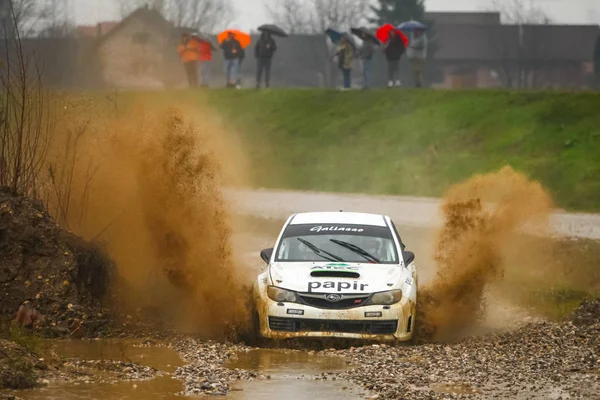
{"x": 189, "y": 54}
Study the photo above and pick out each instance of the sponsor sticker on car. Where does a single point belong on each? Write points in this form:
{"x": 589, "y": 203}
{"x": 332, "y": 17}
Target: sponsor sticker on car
{"x": 337, "y": 286}
{"x": 373, "y": 314}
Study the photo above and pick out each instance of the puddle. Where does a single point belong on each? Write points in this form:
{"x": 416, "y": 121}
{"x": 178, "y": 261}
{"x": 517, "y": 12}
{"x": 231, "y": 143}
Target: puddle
{"x": 295, "y": 390}
{"x": 286, "y": 363}
{"x": 158, "y": 357}
{"x": 291, "y": 374}
{"x": 163, "y": 388}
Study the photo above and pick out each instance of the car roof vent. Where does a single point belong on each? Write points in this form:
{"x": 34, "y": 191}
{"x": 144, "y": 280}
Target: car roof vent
{"x": 334, "y": 274}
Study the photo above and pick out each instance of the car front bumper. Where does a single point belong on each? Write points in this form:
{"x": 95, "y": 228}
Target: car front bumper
{"x": 377, "y": 323}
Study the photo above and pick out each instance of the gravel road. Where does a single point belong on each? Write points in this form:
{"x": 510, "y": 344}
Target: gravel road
{"x": 408, "y": 211}
{"x": 538, "y": 361}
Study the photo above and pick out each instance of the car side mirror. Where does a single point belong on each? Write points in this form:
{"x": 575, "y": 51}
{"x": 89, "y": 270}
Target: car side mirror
{"x": 266, "y": 255}
{"x": 409, "y": 257}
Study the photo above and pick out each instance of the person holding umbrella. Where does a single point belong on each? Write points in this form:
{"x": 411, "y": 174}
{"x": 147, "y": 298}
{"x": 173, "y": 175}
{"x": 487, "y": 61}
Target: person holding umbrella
{"x": 205, "y": 48}
{"x": 394, "y": 48}
{"x": 366, "y": 53}
{"x": 417, "y": 55}
{"x": 417, "y": 48}
{"x": 345, "y": 56}
{"x": 189, "y": 54}
{"x": 264, "y": 51}
{"x": 395, "y": 43}
{"x": 232, "y": 52}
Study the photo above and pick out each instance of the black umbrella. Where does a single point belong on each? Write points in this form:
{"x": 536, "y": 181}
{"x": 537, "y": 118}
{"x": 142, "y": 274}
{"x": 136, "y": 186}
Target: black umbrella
{"x": 349, "y": 39}
{"x": 273, "y": 29}
{"x": 365, "y": 35}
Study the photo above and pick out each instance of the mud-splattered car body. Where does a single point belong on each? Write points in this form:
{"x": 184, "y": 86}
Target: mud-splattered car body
{"x": 343, "y": 275}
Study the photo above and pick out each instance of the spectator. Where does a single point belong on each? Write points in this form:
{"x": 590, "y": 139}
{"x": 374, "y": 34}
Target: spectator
{"x": 188, "y": 52}
{"x": 205, "y": 49}
{"x": 264, "y": 50}
{"x": 394, "y": 49}
{"x": 366, "y": 54}
{"x": 345, "y": 56}
{"x": 241, "y": 60}
{"x": 417, "y": 55}
{"x": 232, "y": 50}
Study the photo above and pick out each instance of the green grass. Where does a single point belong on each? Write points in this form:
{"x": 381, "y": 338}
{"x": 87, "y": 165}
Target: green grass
{"x": 416, "y": 142}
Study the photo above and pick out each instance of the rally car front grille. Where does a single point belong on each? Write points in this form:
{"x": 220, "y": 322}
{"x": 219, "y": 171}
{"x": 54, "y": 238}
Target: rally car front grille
{"x": 342, "y": 326}
{"x": 320, "y": 301}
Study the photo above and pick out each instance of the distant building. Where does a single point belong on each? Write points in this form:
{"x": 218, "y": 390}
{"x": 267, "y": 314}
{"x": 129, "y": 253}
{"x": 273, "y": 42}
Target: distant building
{"x": 464, "y": 18}
{"x": 135, "y": 52}
{"x": 476, "y": 51}
{"x": 96, "y": 31}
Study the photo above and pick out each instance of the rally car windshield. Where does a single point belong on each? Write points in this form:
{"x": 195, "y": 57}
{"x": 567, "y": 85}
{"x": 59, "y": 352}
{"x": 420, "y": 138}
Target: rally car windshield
{"x": 353, "y": 243}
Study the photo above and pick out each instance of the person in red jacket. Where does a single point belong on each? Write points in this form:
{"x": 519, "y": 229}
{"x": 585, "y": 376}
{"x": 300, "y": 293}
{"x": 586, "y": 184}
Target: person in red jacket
{"x": 205, "y": 56}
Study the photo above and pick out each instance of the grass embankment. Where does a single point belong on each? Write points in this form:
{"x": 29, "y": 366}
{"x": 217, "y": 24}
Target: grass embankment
{"x": 418, "y": 142}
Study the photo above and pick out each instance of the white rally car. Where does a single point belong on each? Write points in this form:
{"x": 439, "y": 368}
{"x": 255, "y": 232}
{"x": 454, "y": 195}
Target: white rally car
{"x": 337, "y": 274}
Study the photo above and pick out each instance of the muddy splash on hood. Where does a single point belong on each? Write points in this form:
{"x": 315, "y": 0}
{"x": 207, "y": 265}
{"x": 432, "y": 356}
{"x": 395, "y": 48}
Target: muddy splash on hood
{"x": 148, "y": 184}
{"x": 482, "y": 218}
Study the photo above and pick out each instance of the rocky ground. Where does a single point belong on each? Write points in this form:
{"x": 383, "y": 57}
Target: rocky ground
{"x": 205, "y": 372}
{"x": 22, "y": 368}
{"x": 537, "y": 361}
{"x": 19, "y": 368}
{"x": 59, "y": 282}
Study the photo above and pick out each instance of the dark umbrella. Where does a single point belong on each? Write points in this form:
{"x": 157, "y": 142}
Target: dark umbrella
{"x": 349, "y": 39}
{"x": 365, "y": 35}
{"x": 273, "y": 29}
{"x": 336, "y": 37}
{"x": 411, "y": 26}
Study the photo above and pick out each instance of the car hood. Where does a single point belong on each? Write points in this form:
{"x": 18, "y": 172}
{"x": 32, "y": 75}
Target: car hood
{"x": 336, "y": 277}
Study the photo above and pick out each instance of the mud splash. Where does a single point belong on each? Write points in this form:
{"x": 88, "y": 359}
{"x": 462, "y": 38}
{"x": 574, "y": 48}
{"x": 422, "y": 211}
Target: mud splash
{"x": 148, "y": 184}
{"x": 482, "y": 219}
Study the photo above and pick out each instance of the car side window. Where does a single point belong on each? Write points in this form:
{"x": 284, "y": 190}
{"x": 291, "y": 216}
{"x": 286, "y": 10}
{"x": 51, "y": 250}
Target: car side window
{"x": 398, "y": 236}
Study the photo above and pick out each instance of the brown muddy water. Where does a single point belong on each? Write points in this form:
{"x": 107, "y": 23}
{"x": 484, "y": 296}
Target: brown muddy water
{"x": 292, "y": 374}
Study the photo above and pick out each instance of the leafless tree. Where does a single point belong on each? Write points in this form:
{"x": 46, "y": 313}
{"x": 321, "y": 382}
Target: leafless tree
{"x": 338, "y": 14}
{"x": 128, "y": 6}
{"x": 291, "y": 15}
{"x": 54, "y": 18}
{"x": 23, "y": 15}
{"x": 519, "y": 43}
{"x": 315, "y": 16}
{"x": 24, "y": 123}
{"x": 521, "y": 12}
{"x": 203, "y": 15}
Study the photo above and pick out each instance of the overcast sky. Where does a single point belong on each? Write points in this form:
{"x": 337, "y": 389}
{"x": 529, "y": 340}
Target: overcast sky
{"x": 251, "y": 13}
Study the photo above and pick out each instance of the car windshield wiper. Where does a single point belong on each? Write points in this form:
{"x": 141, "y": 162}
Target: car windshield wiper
{"x": 320, "y": 252}
{"x": 361, "y": 252}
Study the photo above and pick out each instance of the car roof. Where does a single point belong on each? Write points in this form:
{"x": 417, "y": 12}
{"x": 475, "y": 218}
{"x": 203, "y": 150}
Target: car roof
{"x": 348, "y": 218}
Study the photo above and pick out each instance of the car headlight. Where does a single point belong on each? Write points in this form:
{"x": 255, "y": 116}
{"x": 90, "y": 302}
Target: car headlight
{"x": 281, "y": 295}
{"x": 386, "y": 298}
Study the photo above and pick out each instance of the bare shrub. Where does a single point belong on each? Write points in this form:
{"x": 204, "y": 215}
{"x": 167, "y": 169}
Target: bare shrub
{"x": 24, "y": 117}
